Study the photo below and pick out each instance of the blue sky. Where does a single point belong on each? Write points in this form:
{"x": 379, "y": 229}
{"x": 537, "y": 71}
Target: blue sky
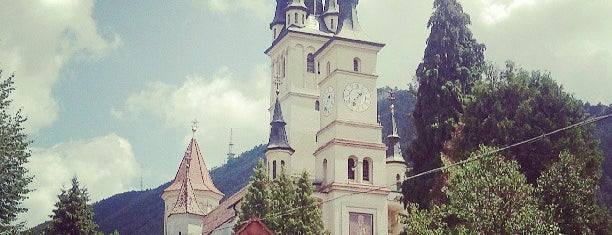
{"x": 110, "y": 87}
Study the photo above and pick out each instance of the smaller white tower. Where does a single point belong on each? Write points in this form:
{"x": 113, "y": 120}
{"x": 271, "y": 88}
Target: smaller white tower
{"x": 396, "y": 171}
{"x": 278, "y": 23}
{"x": 295, "y": 13}
{"x": 191, "y": 195}
{"x": 278, "y": 152}
{"x": 330, "y": 16}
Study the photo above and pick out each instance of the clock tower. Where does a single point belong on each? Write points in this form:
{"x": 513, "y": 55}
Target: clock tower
{"x": 350, "y": 156}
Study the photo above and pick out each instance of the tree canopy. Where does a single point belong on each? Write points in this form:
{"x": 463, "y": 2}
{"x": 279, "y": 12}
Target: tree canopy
{"x": 286, "y": 207}
{"x": 451, "y": 65}
{"x": 14, "y": 154}
{"x": 72, "y": 215}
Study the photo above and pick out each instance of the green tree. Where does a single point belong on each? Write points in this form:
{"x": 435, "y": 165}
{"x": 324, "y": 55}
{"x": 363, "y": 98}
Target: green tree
{"x": 14, "y": 154}
{"x": 451, "y": 65}
{"x": 72, "y": 215}
{"x": 571, "y": 197}
{"x": 485, "y": 196}
{"x": 283, "y": 201}
{"x": 515, "y": 105}
{"x": 258, "y": 199}
{"x": 309, "y": 217}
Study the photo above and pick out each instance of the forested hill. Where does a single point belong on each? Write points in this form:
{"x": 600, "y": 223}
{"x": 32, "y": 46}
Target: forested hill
{"x": 141, "y": 212}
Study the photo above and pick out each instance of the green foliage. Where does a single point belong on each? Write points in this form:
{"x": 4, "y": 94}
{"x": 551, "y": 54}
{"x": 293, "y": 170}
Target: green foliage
{"x": 258, "y": 200}
{"x": 308, "y": 220}
{"x": 515, "y": 105}
{"x": 485, "y": 196}
{"x": 603, "y": 131}
{"x": 571, "y": 198}
{"x": 14, "y": 154}
{"x": 275, "y": 204}
{"x": 451, "y": 65}
{"x": 73, "y": 216}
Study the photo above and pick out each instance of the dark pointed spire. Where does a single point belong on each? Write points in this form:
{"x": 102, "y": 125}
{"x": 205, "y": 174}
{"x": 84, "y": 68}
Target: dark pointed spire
{"x": 311, "y": 4}
{"x": 394, "y": 151}
{"x": 278, "y": 135}
{"x": 348, "y": 15}
{"x": 279, "y": 14}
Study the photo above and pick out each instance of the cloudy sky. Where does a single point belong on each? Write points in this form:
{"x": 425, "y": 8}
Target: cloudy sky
{"x": 110, "y": 87}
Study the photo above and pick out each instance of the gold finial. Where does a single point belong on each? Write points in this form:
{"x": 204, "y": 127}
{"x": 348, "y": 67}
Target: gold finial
{"x": 194, "y": 126}
{"x": 277, "y": 83}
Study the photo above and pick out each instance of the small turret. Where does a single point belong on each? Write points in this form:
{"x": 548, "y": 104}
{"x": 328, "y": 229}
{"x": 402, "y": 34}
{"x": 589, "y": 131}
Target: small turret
{"x": 296, "y": 13}
{"x": 348, "y": 15}
{"x": 396, "y": 165}
{"x": 278, "y": 152}
{"x": 330, "y": 16}
{"x": 278, "y": 23}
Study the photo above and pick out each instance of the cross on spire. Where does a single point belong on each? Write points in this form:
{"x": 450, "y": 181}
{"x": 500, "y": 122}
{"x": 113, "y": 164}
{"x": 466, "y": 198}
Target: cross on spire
{"x": 194, "y": 126}
{"x": 277, "y": 83}
{"x": 391, "y": 99}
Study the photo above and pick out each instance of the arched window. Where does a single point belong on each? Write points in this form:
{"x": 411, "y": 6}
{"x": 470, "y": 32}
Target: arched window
{"x": 288, "y": 19}
{"x": 317, "y": 105}
{"x": 274, "y": 170}
{"x": 366, "y": 169}
{"x": 351, "y": 168}
{"x": 356, "y": 64}
{"x": 398, "y": 184}
{"x": 303, "y": 17}
{"x": 332, "y": 24}
{"x": 328, "y": 68}
{"x": 295, "y": 20}
{"x": 318, "y": 68}
{"x": 310, "y": 63}
{"x": 282, "y": 163}
{"x": 324, "y": 171}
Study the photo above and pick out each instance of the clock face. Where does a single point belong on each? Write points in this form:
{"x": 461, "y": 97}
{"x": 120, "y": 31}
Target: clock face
{"x": 357, "y": 97}
{"x": 328, "y": 101}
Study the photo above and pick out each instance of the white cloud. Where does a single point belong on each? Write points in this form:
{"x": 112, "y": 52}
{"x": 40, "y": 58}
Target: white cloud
{"x": 218, "y": 104}
{"x": 498, "y": 10}
{"x": 37, "y": 38}
{"x": 262, "y": 9}
{"x": 104, "y": 165}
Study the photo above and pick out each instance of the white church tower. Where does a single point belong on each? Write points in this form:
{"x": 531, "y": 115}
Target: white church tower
{"x": 327, "y": 66}
{"x": 191, "y": 196}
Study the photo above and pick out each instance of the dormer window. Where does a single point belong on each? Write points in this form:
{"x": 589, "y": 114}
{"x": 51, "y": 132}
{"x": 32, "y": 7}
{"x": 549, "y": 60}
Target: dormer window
{"x": 310, "y": 63}
{"x": 356, "y": 64}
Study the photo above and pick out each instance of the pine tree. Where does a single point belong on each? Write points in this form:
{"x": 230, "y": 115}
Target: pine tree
{"x": 309, "y": 217}
{"x": 451, "y": 65}
{"x": 257, "y": 201}
{"x": 73, "y": 216}
{"x": 283, "y": 199}
{"x": 14, "y": 154}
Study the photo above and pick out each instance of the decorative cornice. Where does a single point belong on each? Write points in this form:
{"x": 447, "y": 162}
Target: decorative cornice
{"x": 349, "y": 123}
{"x": 354, "y": 187}
{"x": 351, "y": 143}
{"x": 348, "y": 72}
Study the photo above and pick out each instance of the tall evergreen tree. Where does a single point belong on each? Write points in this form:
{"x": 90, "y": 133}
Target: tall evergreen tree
{"x": 308, "y": 220}
{"x": 14, "y": 154}
{"x": 72, "y": 215}
{"x": 451, "y": 64}
{"x": 283, "y": 201}
{"x": 257, "y": 201}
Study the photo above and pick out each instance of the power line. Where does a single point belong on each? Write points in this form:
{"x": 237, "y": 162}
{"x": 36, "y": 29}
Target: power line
{"x": 478, "y": 157}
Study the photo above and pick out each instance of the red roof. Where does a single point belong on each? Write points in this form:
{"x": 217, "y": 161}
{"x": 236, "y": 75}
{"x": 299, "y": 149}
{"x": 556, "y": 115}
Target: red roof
{"x": 186, "y": 203}
{"x": 199, "y": 176}
{"x": 223, "y": 213}
{"x": 254, "y": 227}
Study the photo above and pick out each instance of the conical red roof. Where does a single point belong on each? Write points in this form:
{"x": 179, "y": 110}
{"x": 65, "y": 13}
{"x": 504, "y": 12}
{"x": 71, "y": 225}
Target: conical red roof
{"x": 186, "y": 203}
{"x": 199, "y": 177}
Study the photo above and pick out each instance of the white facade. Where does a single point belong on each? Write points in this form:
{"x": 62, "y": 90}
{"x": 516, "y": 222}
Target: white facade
{"x": 329, "y": 102}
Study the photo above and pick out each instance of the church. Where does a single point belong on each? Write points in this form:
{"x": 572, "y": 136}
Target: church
{"x": 323, "y": 112}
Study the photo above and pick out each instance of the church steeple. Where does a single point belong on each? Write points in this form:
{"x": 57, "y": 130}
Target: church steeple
{"x": 278, "y": 136}
{"x": 278, "y": 23}
{"x": 348, "y": 15}
{"x": 394, "y": 151}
